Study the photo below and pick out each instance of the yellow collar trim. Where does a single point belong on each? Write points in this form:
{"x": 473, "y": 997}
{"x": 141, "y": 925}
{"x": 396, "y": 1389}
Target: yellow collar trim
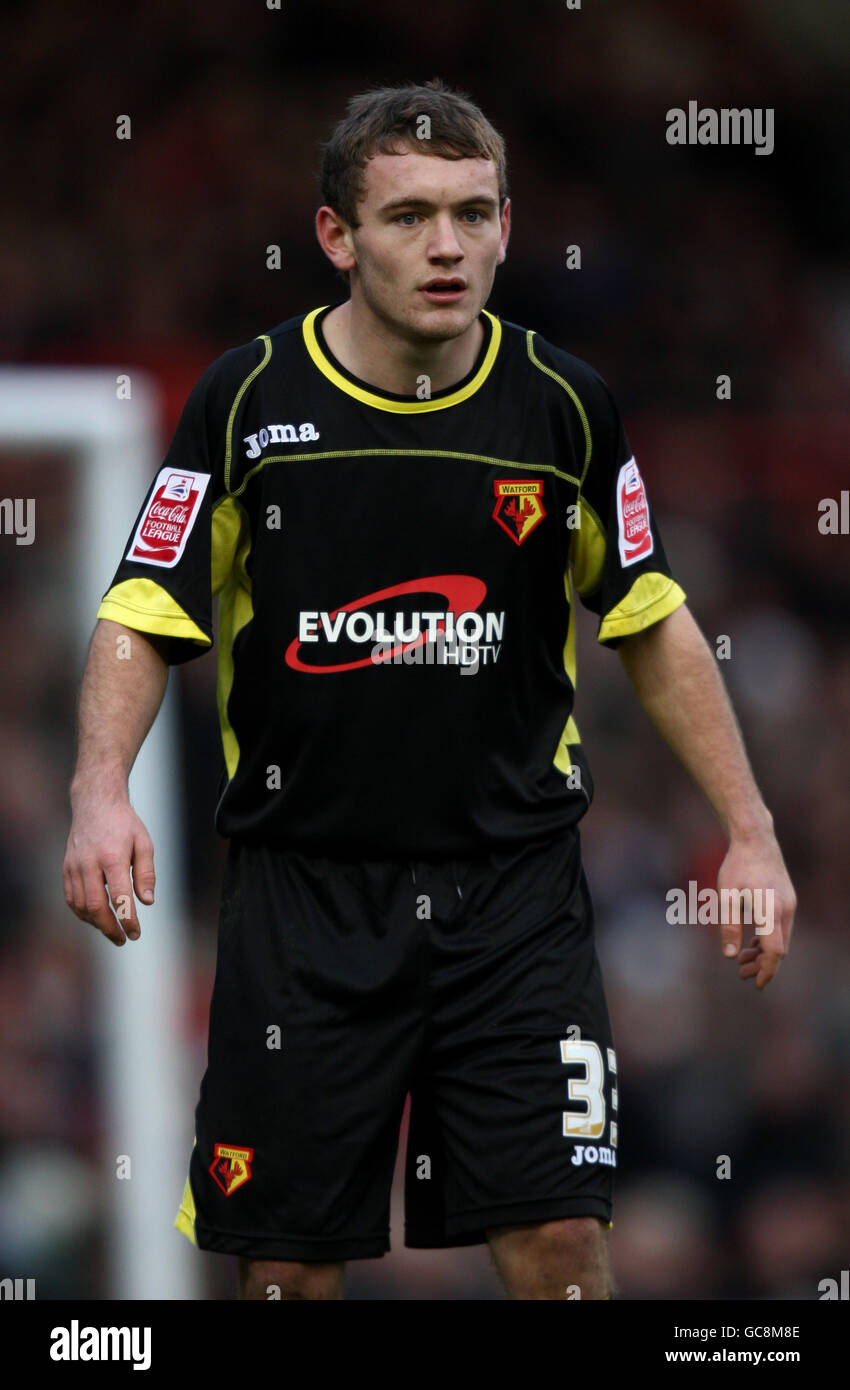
{"x": 399, "y": 407}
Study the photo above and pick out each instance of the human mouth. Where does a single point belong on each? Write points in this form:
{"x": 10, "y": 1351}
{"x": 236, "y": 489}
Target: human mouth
{"x": 446, "y": 289}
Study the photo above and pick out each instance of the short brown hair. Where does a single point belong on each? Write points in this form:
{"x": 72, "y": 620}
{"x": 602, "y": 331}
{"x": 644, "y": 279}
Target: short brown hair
{"x": 385, "y": 120}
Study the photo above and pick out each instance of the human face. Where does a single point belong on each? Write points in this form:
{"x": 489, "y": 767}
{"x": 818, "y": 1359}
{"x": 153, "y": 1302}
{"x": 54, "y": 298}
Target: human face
{"x": 425, "y": 219}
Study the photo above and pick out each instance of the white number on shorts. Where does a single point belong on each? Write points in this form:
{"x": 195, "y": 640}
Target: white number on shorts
{"x": 589, "y": 1088}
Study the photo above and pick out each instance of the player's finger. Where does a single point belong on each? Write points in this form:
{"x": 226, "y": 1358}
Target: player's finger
{"x": 121, "y": 898}
{"x": 730, "y": 935}
{"x": 144, "y": 877}
{"x": 748, "y": 970}
{"x": 78, "y": 892}
{"x": 98, "y": 911}
{"x": 773, "y": 952}
{"x": 789, "y": 909}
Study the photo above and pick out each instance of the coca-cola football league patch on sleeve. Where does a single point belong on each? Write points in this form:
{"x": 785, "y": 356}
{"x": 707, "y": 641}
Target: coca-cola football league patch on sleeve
{"x": 164, "y": 529}
{"x": 635, "y": 535}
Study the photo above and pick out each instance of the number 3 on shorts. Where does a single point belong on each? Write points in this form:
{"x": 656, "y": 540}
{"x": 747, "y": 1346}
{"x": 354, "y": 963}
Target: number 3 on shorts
{"x": 589, "y": 1089}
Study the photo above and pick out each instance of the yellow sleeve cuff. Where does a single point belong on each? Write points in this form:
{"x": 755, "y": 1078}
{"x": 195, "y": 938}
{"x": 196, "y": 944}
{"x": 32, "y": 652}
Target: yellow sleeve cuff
{"x": 652, "y": 597}
{"x": 145, "y": 606}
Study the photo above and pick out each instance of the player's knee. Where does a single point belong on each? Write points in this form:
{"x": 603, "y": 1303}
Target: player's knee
{"x": 289, "y": 1279}
{"x": 555, "y": 1259}
{"x": 582, "y": 1238}
{"x": 575, "y": 1242}
{"x": 573, "y": 1250}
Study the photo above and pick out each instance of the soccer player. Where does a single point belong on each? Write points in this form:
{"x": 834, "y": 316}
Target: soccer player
{"x": 396, "y": 499}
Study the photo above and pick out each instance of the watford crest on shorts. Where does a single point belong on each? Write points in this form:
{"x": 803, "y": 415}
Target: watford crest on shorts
{"x": 519, "y": 506}
{"x": 231, "y": 1168}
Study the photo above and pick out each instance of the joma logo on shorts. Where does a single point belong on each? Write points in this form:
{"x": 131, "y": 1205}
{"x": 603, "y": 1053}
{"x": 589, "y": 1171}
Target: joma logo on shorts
{"x": 278, "y": 434}
{"x": 590, "y": 1153}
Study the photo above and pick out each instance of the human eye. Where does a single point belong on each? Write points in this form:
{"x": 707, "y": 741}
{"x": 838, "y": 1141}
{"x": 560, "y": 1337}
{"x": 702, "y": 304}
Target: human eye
{"x": 401, "y": 217}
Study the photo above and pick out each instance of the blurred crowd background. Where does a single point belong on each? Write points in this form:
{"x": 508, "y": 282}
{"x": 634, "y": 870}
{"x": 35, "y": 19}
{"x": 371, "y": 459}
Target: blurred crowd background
{"x": 696, "y": 262}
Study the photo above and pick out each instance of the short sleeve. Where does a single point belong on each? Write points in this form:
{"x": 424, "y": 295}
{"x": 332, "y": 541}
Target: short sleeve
{"x": 620, "y": 570}
{"x": 181, "y": 546}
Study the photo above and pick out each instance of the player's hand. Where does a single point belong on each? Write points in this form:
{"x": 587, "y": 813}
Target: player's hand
{"x": 758, "y": 865}
{"x": 106, "y": 841}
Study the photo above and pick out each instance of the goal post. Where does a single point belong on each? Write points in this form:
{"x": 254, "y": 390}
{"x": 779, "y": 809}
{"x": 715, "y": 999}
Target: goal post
{"x": 140, "y": 1043}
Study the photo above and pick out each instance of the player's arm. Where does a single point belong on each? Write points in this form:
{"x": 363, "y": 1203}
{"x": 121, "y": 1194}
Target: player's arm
{"x": 156, "y": 613}
{"x": 674, "y": 673}
{"x": 122, "y": 689}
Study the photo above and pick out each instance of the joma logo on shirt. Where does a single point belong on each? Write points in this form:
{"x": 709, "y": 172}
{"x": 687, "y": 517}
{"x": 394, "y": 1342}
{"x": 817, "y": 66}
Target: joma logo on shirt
{"x": 279, "y": 434}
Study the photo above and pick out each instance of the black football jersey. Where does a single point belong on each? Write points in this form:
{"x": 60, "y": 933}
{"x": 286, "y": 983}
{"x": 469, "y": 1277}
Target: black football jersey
{"x": 396, "y": 578}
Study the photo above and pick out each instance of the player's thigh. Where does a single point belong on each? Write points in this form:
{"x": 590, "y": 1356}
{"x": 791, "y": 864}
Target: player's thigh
{"x": 523, "y": 1067}
{"x": 313, "y": 1031}
{"x": 290, "y": 1279}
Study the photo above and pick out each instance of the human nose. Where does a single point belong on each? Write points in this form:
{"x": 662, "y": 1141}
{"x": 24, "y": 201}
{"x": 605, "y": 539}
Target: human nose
{"x": 444, "y": 242}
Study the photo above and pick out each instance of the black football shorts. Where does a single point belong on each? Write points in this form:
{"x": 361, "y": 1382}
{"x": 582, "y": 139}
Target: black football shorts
{"x": 341, "y": 986}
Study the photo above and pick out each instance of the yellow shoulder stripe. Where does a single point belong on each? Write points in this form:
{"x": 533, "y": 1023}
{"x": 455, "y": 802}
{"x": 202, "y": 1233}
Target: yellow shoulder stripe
{"x": 235, "y": 609}
{"x": 569, "y": 734}
{"x": 227, "y": 521}
{"x": 588, "y": 549}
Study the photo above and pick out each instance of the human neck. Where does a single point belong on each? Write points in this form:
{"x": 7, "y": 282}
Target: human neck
{"x": 369, "y": 349}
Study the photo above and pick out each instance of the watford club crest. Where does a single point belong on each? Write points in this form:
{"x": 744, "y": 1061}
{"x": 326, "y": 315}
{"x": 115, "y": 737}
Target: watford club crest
{"x": 519, "y": 506}
{"x": 231, "y": 1167}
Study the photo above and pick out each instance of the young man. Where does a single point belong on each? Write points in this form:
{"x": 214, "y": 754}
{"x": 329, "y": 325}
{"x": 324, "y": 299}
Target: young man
{"x": 395, "y": 500}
